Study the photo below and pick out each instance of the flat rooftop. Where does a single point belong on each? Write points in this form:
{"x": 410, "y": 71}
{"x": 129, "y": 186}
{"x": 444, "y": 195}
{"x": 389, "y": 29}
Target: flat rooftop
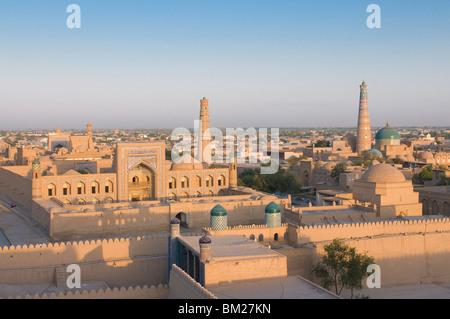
{"x": 289, "y": 287}
{"x": 230, "y": 247}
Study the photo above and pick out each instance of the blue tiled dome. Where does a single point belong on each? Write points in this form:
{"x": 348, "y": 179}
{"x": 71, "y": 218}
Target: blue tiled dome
{"x": 273, "y": 208}
{"x": 218, "y": 210}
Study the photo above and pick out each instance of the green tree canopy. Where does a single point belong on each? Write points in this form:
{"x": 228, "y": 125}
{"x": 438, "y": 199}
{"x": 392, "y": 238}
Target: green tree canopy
{"x": 341, "y": 267}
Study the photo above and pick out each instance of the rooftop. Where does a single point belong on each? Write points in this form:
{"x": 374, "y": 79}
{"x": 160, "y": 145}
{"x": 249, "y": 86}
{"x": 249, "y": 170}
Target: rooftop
{"x": 290, "y": 287}
{"x": 230, "y": 247}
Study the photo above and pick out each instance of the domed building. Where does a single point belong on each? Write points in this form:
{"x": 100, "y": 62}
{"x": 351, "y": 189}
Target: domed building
{"x": 387, "y": 136}
{"x": 426, "y": 157}
{"x": 387, "y": 142}
{"x": 386, "y": 189}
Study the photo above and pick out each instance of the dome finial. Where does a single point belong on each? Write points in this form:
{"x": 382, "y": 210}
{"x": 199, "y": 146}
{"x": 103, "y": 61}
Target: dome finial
{"x": 387, "y": 124}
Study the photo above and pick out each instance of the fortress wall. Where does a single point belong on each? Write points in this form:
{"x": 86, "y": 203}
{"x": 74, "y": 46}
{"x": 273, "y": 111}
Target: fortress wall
{"x": 218, "y": 271}
{"x": 137, "y": 292}
{"x": 15, "y": 185}
{"x": 407, "y": 259}
{"x": 319, "y": 233}
{"x": 131, "y": 219}
{"x": 42, "y": 216}
{"x": 118, "y": 262}
{"x": 182, "y": 285}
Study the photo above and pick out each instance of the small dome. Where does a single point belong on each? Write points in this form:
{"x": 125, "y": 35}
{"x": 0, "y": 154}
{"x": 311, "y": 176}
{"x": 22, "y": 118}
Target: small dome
{"x": 204, "y": 240}
{"x": 186, "y": 162}
{"x": 36, "y": 161}
{"x": 329, "y": 166}
{"x": 426, "y": 155}
{"x": 218, "y": 210}
{"x": 175, "y": 221}
{"x": 374, "y": 152}
{"x": 383, "y": 173}
{"x": 273, "y": 208}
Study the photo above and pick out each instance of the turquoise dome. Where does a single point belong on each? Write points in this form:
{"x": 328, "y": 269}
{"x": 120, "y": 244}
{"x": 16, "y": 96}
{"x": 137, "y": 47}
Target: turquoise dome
{"x": 273, "y": 208}
{"x": 374, "y": 152}
{"x": 387, "y": 133}
{"x": 218, "y": 210}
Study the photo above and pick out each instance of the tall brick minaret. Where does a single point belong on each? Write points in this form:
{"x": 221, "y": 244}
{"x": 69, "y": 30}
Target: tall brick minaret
{"x": 205, "y": 137}
{"x": 363, "y": 136}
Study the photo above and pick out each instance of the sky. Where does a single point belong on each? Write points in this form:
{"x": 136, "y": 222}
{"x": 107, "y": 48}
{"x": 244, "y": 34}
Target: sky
{"x": 279, "y": 63}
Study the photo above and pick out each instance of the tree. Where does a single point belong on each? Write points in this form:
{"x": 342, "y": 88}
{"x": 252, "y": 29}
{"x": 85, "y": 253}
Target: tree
{"x": 337, "y": 169}
{"x": 322, "y": 143}
{"x": 426, "y": 174}
{"x": 341, "y": 267}
{"x": 293, "y": 160}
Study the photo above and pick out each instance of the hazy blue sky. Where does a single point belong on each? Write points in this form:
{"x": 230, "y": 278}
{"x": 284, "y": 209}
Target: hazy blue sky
{"x": 279, "y": 63}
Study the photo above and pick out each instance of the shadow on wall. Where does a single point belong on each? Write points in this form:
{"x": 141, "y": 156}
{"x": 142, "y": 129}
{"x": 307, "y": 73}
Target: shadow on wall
{"x": 119, "y": 262}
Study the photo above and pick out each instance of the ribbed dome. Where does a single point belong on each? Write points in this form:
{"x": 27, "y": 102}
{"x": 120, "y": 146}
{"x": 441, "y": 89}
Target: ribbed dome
{"x": 218, "y": 210}
{"x": 383, "y": 173}
{"x": 273, "y": 208}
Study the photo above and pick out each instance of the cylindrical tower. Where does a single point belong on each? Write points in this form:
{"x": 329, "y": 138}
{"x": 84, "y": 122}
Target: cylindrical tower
{"x": 205, "y": 248}
{"x": 89, "y": 134}
{"x": 173, "y": 245}
{"x": 272, "y": 217}
{"x": 218, "y": 219}
{"x": 205, "y": 137}
{"x": 233, "y": 174}
{"x": 363, "y": 137}
{"x": 36, "y": 181}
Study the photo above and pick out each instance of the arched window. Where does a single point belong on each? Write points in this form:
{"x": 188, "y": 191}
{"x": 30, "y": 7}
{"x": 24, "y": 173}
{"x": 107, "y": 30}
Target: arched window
{"x": 184, "y": 182}
{"x": 51, "y": 190}
{"x": 108, "y": 200}
{"x": 81, "y": 202}
{"x": 135, "y": 180}
{"x": 66, "y": 189}
{"x": 95, "y": 187}
{"x": 81, "y": 188}
{"x": 209, "y": 181}
{"x": 221, "y": 180}
{"x": 198, "y": 194}
{"x": 172, "y": 196}
{"x": 95, "y": 201}
{"x": 185, "y": 195}
{"x": 108, "y": 187}
{"x": 172, "y": 183}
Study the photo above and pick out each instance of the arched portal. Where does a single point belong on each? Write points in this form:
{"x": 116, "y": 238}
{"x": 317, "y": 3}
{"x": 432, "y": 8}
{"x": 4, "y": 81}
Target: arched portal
{"x": 141, "y": 181}
{"x": 183, "y": 219}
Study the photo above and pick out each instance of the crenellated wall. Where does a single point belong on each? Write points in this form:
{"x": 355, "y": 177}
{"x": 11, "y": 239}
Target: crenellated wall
{"x": 299, "y": 235}
{"x": 145, "y": 292}
{"x": 118, "y": 262}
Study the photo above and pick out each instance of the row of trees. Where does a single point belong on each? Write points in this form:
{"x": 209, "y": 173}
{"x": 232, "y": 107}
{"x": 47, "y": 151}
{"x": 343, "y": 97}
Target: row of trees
{"x": 282, "y": 181}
